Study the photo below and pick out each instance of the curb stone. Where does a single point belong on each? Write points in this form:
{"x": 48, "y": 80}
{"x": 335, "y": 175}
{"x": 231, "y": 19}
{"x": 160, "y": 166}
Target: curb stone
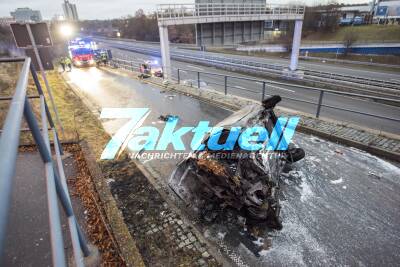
{"x": 126, "y": 244}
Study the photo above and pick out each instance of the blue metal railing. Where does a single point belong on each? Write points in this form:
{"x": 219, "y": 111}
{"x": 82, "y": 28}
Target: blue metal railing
{"x": 55, "y": 177}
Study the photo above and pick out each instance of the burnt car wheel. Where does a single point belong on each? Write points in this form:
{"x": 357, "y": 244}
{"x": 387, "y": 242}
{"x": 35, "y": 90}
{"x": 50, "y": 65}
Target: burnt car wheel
{"x": 295, "y": 154}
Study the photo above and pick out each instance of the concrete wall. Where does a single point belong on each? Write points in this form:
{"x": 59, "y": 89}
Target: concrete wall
{"x": 228, "y": 33}
{"x": 230, "y": 1}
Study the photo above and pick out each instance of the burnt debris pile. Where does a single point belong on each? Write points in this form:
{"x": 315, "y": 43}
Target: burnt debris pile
{"x": 244, "y": 180}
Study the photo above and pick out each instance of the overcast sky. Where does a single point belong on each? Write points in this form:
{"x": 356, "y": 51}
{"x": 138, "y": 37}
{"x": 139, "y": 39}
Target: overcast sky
{"x": 104, "y": 9}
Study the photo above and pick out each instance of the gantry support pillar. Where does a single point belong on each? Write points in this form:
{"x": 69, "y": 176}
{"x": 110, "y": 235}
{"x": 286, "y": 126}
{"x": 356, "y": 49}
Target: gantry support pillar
{"x": 294, "y": 59}
{"x": 165, "y": 56}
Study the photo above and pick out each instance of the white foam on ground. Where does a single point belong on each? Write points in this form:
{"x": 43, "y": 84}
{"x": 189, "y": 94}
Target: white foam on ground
{"x": 314, "y": 159}
{"x": 388, "y": 166}
{"x": 306, "y": 191}
{"x": 338, "y": 181}
{"x": 292, "y": 253}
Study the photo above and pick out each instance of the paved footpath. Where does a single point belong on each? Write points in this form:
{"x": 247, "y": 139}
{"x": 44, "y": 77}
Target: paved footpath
{"x": 28, "y": 236}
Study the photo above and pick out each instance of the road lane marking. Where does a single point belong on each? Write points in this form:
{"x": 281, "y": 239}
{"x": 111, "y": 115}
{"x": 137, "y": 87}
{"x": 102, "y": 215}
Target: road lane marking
{"x": 180, "y": 70}
{"x": 280, "y": 88}
{"x": 240, "y": 87}
{"x": 194, "y": 67}
{"x": 276, "y": 87}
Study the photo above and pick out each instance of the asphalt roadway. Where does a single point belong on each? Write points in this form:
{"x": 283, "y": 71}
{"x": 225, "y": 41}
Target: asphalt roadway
{"x": 253, "y": 90}
{"x": 340, "y": 205}
{"x": 388, "y": 75}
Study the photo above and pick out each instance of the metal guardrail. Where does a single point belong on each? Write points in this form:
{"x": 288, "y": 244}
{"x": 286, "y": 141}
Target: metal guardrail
{"x": 358, "y": 42}
{"x": 264, "y": 84}
{"x": 55, "y": 177}
{"x": 179, "y": 11}
{"x": 275, "y": 69}
{"x": 352, "y": 62}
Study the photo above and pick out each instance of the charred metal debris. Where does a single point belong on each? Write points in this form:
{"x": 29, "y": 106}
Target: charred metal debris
{"x": 250, "y": 185}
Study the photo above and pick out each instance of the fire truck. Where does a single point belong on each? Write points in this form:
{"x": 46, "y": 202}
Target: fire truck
{"x": 81, "y": 52}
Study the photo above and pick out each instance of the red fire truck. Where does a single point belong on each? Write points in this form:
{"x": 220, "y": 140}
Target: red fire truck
{"x": 81, "y": 52}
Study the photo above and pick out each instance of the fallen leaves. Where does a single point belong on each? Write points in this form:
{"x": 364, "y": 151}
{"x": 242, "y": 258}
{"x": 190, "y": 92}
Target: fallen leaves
{"x": 97, "y": 226}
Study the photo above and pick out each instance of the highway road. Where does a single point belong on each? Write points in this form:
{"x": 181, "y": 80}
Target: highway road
{"x": 389, "y": 75}
{"x": 253, "y": 90}
{"x": 340, "y": 205}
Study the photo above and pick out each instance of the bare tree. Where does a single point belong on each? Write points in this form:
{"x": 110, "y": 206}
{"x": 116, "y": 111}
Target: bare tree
{"x": 311, "y": 19}
{"x": 329, "y": 19}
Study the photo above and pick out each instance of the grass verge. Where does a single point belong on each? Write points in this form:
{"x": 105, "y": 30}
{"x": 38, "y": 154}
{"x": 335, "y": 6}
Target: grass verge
{"x": 78, "y": 121}
{"x": 364, "y": 33}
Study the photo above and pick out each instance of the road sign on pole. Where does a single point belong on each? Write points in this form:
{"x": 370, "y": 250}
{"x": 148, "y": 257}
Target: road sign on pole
{"x": 45, "y": 57}
{"x": 39, "y": 30}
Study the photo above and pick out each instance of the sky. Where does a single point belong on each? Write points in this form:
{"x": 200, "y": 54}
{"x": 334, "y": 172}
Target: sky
{"x": 107, "y": 9}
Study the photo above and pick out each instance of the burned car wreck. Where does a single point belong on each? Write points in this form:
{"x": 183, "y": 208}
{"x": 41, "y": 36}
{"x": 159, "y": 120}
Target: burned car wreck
{"x": 246, "y": 181}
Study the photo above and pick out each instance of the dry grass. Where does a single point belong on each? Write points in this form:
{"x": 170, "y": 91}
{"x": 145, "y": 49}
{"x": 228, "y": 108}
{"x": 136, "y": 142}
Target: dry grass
{"x": 370, "y": 33}
{"x": 8, "y": 80}
{"x": 78, "y": 121}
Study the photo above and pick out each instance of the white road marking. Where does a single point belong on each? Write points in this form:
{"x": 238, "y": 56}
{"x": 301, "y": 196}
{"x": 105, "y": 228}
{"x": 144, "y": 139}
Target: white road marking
{"x": 240, "y": 87}
{"x": 194, "y": 67}
{"x": 276, "y": 87}
{"x": 279, "y": 88}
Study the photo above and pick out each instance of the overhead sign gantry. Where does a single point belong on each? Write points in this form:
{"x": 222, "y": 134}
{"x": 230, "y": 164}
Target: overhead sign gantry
{"x": 178, "y": 14}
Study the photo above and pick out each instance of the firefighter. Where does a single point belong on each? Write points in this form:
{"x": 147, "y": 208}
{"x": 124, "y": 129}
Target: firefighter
{"x": 62, "y": 63}
{"x": 68, "y": 63}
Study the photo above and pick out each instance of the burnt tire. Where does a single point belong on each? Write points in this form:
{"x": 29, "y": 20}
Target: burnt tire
{"x": 277, "y": 224}
{"x": 295, "y": 154}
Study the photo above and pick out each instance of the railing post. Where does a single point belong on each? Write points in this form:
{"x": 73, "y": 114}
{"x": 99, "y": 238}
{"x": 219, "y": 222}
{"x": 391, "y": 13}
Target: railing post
{"x": 198, "y": 79}
{"x": 179, "y": 77}
{"x": 263, "y": 92}
{"x": 43, "y": 144}
{"x": 321, "y": 95}
{"x": 44, "y": 77}
{"x": 40, "y": 91}
{"x": 226, "y": 85}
